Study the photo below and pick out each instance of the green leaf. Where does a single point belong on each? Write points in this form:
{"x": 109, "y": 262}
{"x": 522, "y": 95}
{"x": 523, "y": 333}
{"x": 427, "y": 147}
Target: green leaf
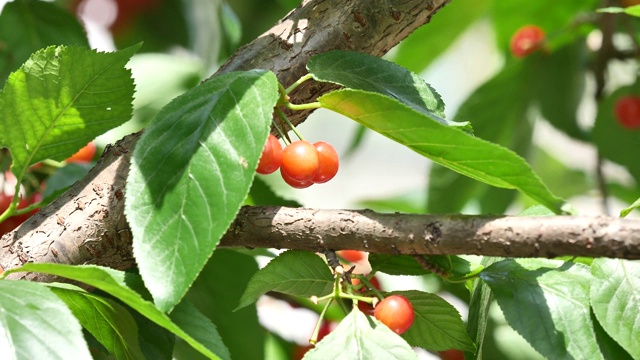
{"x": 448, "y": 146}
{"x": 262, "y": 195}
{"x": 449, "y": 192}
{"x": 609, "y": 347}
{"x": 192, "y": 321}
{"x": 216, "y": 292}
{"x": 361, "y": 337}
{"x": 114, "y": 282}
{"x": 479, "y": 305}
{"x": 615, "y": 298}
{"x": 109, "y": 322}
{"x": 626, "y": 211}
{"x": 631, "y": 10}
{"x": 547, "y": 302}
{"x": 190, "y": 173}
{"x": 437, "y": 325}
{"x": 449, "y": 266}
{"x": 36, "y": 324}
{"x": 155, "y": 341}
{"x": 60, "y": 99}
{"x": 63, "y": 178}
{"x": 28, "y": 26}
{"x": 370, "y": 73}
{"x": 537, "y": 210}
{"x": 427, "y": 43}
{"x": 293, "y": 272}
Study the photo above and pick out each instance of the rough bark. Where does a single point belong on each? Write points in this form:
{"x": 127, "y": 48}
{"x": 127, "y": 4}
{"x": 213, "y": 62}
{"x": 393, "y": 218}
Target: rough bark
{"x": 511, "y": 236}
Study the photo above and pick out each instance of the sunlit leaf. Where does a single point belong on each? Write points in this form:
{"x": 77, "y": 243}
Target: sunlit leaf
{"x": 190, "y": 173}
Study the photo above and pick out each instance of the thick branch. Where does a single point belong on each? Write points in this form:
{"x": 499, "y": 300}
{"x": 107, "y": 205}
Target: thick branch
{"x": 71, "y": 233}
{"x": 510, "y": 236}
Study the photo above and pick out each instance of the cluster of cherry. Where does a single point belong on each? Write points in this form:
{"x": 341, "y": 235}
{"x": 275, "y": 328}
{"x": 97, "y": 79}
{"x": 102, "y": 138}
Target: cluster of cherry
{"x": 301, "y": 163}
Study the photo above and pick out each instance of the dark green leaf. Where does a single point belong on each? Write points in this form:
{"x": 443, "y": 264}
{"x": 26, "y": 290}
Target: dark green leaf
{"x": 293, "y": 272}
{"x": 609, "y": 347}
{"x": 370, "y": 73}
{"x": 109, "y": 322}
{"x": 198, "y": 326}
{"x": 449, "y": 266}
{"x": 547, "y": 302}
{"x": 36, "y": 324}
{"x": 190, "y": 173}
{"x": 114, "y": 283}
{"x": 616, "y": 302}
{"x": 479, "y": 304}
{"x": 437, "y": 325}
{"x": 28, "y": 26}
{"x": 262, "y": 195}
{"x": 361, "y": 337}
{"x": 60, "y": 99}
{"x": 216, "y": 292}
{"x": 448, "y": 146}
{"x": 63, "y": 178}
{"x": 155, "y": 341}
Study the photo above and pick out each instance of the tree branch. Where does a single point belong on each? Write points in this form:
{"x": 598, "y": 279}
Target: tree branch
{"x": 366, "y": 230}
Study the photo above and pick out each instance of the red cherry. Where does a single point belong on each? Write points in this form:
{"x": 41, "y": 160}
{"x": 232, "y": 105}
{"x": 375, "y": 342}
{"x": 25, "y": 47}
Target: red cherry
{"x": 300, "y": 161}
{"x": 366, "y": 308}
{"x": 627, "y": 111}
{"x": 396, "y": 312}
{"x": 351, "y": 255}
{"x": 83, "y": 155}
{"x": 526, "y": 40}
{"x": 295, "y": 183}
{"x": 14, "y": 221}
{"x": 451, "y": 354}
{"x": 271, "y": 156}
{"x": 328, "y": 162}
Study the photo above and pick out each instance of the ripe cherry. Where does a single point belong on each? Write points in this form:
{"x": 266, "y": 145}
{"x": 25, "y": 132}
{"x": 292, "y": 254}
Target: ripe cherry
{"x": 351, "y": 255}
{"x": 396, "y": 312}
{"x": 271, "y": 156}
{"x": 83, "y": 155}
{"x": 627, "y": 111}
{"x": 13, "y": 222}
{"x": 526, "y": 40}
{"x": 295, "y": 183}
{"x": 300, "y": 161}
{"x": 328, "y": 162}
{"x": 451, "y": 354}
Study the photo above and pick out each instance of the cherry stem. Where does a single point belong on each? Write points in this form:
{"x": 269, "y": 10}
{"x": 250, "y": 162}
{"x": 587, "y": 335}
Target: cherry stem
{"x": 282, "y": 116}
{"x": 28, "y": 208}
{"x": 307, "y": 106}
{"x": 298, "y": 82}
{"x": 316, "y": 330}
{"x": 283, "y": 135}
{"x": 367, "y": 284}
